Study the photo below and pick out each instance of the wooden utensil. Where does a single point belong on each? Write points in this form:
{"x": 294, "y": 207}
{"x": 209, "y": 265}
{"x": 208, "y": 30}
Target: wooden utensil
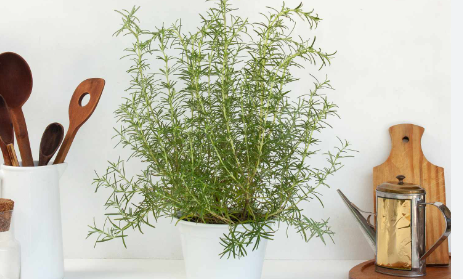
{"x": 407, "y": 158}
{"x": 51, "y": 140}
{"x": 79, "y": 113}
{"x": 16, "y": 87}
{"x": 12, "y": 154}
{"x": 6, "y": 156}
{"x": 6, "y": 131}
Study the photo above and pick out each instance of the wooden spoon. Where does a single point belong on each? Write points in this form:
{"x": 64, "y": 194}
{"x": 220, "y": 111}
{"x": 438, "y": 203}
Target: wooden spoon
{"x": 51, "y": 139}
{"x": 16, "y": 87}
{"x": 79, "y": 113}
{"x": 6, "y": 131}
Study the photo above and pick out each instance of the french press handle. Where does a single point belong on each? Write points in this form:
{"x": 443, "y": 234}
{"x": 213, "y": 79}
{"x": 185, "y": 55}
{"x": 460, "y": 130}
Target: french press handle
{"x": 446, "y": 212}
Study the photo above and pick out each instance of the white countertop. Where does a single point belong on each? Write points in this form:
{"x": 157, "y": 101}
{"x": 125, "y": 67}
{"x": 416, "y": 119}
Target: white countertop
{"x": 174, "y": 269}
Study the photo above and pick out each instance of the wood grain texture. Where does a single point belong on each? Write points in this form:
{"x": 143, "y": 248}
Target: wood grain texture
{"x": 79, "y": 113}
{"x": 407, "y": 158}
{"x": 12, "y": 154}
{"x": 366, "y": 270}
{"x": 6, "y": 156}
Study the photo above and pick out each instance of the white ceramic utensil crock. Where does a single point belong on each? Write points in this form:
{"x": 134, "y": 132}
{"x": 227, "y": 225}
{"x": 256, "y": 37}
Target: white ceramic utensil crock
{"x": 35, "y": 191}
{"x": 201, "y": 252}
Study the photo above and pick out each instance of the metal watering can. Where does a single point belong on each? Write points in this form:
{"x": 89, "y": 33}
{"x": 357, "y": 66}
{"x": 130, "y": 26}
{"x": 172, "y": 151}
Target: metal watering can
{"x": 399, "y": 238}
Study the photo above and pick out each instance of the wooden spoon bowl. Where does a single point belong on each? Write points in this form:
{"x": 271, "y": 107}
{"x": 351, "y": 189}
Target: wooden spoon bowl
{"x": 15, "y": 79}
{"x": 51, "y": 140}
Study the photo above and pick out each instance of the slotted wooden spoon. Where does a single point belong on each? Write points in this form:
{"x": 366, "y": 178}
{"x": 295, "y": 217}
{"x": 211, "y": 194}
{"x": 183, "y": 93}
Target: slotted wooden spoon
{"x": 16, "y": 87}
{"x": 79, "y": 112}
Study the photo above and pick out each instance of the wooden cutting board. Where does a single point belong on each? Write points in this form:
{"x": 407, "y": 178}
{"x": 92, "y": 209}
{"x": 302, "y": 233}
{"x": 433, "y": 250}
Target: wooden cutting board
{"x": 407, "y": 158}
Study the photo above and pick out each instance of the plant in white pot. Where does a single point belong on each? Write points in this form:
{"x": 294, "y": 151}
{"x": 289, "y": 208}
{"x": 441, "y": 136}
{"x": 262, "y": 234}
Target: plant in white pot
{"x": 226, "y": 148}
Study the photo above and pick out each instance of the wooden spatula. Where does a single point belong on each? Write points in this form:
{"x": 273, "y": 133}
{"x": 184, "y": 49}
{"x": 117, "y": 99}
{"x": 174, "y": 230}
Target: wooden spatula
{"x": 79, "y": 113}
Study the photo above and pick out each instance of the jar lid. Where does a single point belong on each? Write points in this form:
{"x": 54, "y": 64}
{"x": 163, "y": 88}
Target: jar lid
{"x": 6, "y": 205}
{"x": 400, "y": 187}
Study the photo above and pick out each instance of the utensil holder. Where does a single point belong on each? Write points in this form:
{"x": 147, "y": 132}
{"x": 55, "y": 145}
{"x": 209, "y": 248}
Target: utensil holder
{"x": 36, "y": 193}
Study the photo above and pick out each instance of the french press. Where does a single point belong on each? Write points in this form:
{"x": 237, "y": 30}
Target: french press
{"x": 399, "y": 238}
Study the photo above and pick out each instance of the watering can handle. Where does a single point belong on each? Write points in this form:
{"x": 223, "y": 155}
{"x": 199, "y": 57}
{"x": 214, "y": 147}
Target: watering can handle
{"x": 447, "y": 215}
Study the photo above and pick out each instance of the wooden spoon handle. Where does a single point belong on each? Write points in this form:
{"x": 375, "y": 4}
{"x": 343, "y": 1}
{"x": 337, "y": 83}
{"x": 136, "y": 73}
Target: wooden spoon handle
{"x": 12, "y": 153}
{"x": 6, "y": 156}
{"x": 67, "y": 142}
{"x": 22, "y": 136}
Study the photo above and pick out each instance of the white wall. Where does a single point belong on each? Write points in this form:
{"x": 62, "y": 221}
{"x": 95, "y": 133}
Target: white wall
{"x": 392, "y": 66}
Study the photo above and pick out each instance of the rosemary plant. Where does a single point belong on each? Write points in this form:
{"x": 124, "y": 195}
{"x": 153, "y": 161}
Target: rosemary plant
{"x": 221, "y": 139}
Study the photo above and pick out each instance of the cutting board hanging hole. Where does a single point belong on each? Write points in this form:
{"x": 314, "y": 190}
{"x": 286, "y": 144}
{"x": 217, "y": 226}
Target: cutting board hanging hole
{"x": 405, "y": 139}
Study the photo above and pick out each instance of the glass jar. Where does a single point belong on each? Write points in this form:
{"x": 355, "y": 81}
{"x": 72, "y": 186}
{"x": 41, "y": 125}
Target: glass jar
{"x": 10, "y": 251}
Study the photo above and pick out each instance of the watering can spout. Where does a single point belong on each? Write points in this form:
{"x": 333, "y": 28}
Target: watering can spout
{"x": 367, "y": 229}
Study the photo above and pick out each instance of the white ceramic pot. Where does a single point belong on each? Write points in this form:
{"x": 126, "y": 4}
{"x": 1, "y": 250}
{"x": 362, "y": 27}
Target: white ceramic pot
{"x": 37, "y": 209}
{"x": 201, "y": 249}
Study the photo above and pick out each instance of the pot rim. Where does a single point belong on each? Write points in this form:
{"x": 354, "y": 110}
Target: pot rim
{"x": 194, "y": 224}
{"x": 188, "y": 223}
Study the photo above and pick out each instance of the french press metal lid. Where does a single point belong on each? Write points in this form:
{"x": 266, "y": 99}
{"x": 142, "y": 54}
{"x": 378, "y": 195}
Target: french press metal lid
{"x": 400, "y": 187}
